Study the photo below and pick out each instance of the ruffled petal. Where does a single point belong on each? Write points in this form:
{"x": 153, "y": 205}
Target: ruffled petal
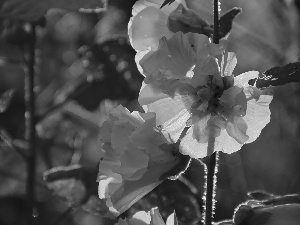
{"x": 243, "y": 79}
{"x": 206, "y": 126}
{"x": 147, "y": 27}
{"x": 120, "y": 135}
{"x": 237, "y": 128}
{"x": 132, "y": 191}
{"x": 257, "y": 116}
{"x": 228, "y": 63}
{"x": 168, "y": 108}
{"x": 146, "y": 136}
{"x": 191, "y": 147}
{"x": 156, "y": 218}
{"x": 142, "y": 216}
{"x": 149, "y": 94}
{"x": 224, "y": 143}
{"x": 172, "y": 219}
{"x": 205, "y": 67}
{"x": 131, "y": 162}
{"x": 173, "y": 128}
{"x": 173, "y": 59}
{"x": 138, "y": 57}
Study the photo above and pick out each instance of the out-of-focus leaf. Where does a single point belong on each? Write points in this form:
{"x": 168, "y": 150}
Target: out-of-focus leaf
{"x": 170, "y": 196}
{"x": 116, "y": 77}
{"x": 167, "y": 2}
{"x": 5, "y": 99}
{"x": 279, "y": 75}
{"x": 76, "y": 186}
{"x": 12, "y": 172}
{"x": 32, "y": 10}
{"x": 226, "y": 21}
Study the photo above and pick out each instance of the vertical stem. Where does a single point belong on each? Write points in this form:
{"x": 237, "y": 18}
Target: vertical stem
{"x": 30, "y": 122}
{"x": 212, "y": 164}
{"x": 210, "y": 190}
{"x": 216, "y": 21}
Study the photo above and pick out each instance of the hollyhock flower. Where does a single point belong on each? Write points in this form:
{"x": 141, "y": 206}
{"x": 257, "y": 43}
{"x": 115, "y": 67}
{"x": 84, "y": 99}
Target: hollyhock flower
{"x": 187, "y": 86}
{"x": 134, "y": 158}
{"x": 149, "y": 23}
{"x": 152, "y": 217}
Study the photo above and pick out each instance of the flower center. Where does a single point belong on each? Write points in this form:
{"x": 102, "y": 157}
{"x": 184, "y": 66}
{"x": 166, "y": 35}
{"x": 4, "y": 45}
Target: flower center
{"x": 208, "y": 95}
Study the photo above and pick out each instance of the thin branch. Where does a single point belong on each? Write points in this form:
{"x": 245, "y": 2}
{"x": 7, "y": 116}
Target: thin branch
{"x": 30, "y": 122}
{"x": 211, "y": 169}
{"x": 216, "y": 21}
{"x": 8, "y": 140}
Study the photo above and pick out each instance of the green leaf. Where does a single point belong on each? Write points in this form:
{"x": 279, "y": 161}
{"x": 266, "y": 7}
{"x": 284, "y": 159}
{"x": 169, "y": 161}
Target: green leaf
{"x": 277, "y": 76}
{"x": 167, "y": 2}
{"x": 225, "y": 24}
{"x": 5, "y": 99}
{"x": 32, "y": 10}
{"x": 76, "y": 186}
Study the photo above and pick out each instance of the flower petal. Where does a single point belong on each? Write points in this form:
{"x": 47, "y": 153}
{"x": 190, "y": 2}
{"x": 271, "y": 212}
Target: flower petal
{"x": 132, "y": 191}
{"x": 173, "y": 59}
{"x": 156, "y": 218}
{"x": 147, "y": 27}
{"x": 243, "y": 79}
{"x": 257, "y": 116}
{"x": 224, "y": 143}
{"x": 146, "y": 136}
{"x": 149, "y": 94}
{"x": 142, "y": 216}
{"x": 228, "y": 63}
{"x": 237, "y": 128}
{"x": 172, "y": 219}
{"x": 191, "y": 147}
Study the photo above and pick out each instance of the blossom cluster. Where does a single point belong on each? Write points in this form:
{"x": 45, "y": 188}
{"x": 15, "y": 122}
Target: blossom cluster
{"x": 193, "y": 104}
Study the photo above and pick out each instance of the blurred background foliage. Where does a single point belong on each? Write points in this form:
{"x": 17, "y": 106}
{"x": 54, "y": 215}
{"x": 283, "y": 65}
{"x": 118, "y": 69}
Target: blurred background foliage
{"x": 85, "y": 66}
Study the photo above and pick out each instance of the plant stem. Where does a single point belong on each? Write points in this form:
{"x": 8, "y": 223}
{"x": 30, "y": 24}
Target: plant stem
{"x": 210, "y": 190}
{"x": 30, "y": 132}
{"x": 212, "y": 164}
{"x": 216, "y": 21}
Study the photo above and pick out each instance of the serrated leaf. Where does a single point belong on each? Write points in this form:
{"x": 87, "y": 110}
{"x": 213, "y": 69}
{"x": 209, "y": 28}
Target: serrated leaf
{"x": 167, "y": 2}
{"x": 167, "y": 199}
{"x": 5, "y": 99}
{"x": 32, "y": 10}
{"x": 277, "y": 76}
{"x": 225, "y": 24}
{"x": 76, "y": 186}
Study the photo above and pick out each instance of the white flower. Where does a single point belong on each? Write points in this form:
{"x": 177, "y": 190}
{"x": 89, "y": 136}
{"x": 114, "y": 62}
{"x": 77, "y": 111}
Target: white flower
{"x": 135, "y": 158}
{"x": 148, "y": 218}
{"x": 149, "y": 23}
{"x": 187, "y": 86}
